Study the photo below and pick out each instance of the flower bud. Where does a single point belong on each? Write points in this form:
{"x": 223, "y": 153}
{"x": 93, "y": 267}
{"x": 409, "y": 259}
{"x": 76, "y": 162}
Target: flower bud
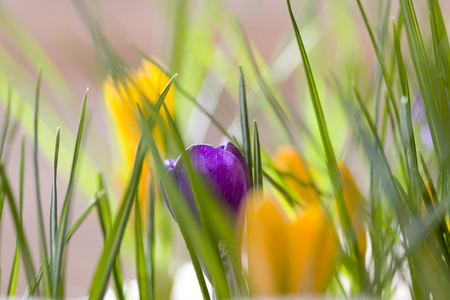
{"x": 224, "y": 169}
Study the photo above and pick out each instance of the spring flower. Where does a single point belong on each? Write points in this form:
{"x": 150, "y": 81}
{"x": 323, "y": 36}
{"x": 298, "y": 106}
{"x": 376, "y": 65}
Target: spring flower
{"x": 223, "y": 167}
{"x": 423, "y": 206}
{"x": 295, "y": 174}
{"x": 121, "y": 97}
{"x": 296, "y": 255}
{"x": 354, "y": 206}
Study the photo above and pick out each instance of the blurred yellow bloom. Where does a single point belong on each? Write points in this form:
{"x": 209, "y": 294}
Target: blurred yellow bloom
{"x": 288, "y": 162}
{"x": 289, "y": 255}
{"x": 354, "y": 205}
{"x": 121, "y": 97}
{"x": 423, "y": 206}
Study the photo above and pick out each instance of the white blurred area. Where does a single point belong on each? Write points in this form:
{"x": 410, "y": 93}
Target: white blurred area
{"x": 185, "y": 286}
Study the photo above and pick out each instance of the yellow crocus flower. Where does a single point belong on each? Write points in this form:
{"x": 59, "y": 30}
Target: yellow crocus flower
{"x": 296, "y": 175}
{"x": 354, "y": 206}
{"x": 146, "y": 84}
{"x": 295, "y": 255}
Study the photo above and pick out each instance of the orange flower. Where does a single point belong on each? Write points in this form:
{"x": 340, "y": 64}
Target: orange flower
{"x": 296, "y": 176}
{"x": 121, "y": 97}
{"x": 354, "y": 205}
{"x": 423, "y": 206}
{"x": 290, "y": 255}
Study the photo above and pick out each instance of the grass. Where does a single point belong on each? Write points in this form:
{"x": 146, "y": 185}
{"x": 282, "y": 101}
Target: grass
{"x": 405, "y": 211}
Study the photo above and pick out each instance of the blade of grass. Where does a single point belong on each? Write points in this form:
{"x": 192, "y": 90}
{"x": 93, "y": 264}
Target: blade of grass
{"x": 54, "y": 205}
{"x": 64, "y": 218}
{"x": 83, "y": 215}
{"x": 246, "y": 143}
{"x": 114, "y": 239}
{"x": 257, "y": 174}
{"x": 329, "y": 153}
{"x": 219, "y": 277}
{"x": 21, "y": 177}
{"x": 143, "y": 280}
{"x": 380, "y": 60}
{"x": 393, "y": 190}
{"x": 150, "y": 254}
{"x": 42, "y": 242}
{"x": 6, "y": 120}
{"x": 26, "y": 254}
{"x": 2, "y": 202}
{"x": 104, "y": 214}
{"x": 14, "y": 272}
{"x": 75, "y": 226}
{"x": 186, "y": 223}
{"x": 16, "y": 262}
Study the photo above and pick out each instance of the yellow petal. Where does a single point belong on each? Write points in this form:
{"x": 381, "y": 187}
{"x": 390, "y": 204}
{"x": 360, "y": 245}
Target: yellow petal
{"x": 121, "y": 98}
{"x": 354, "y": 205}
{"x": 287, "y": 161}
{"x": 288, "y": 256}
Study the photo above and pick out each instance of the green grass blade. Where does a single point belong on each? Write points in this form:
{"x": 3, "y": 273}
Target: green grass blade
{"x": 257, "y": 175}
{"x": 6, "y": 120}
{"x": 16, "y": 262}
{"x": 143, "y": 280}
{"x": 244, "y": 123}
{"x": 75, "y": 226}
{"x": 380, "y": 60}
{"x": 60, "y": 241}
{"x": 150, "y": 254}
{"x": 219, "y": 277}
{"x": 54, "y": 205}
{"x": 14, "y": 272}
{"x": 330, "y": 156}
{"x": 42, "y": 242}
{"x": 104, "y": 214}
{"x": 228, "y": 282}
{"x": 21, "y": 177}
{"x": 83, "y": 215}
{"x": 26, "y": 254}
{"x": 104, "y": 211}
{"x": 114, "y": 239}
{"x": 78, "y": 222}
{"x": 2, "y": 201}
{"x": 186, "y": 222}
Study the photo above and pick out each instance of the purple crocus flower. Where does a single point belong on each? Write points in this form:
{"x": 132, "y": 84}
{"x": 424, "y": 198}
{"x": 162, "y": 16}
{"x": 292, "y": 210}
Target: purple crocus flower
{"x": 224, "y": 169}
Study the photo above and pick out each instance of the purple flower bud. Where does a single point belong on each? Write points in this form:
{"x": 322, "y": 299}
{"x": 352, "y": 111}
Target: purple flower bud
{"x": 224, "y": 169}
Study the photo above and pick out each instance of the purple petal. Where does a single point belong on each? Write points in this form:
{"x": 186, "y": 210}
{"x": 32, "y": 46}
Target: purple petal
{"x": 227, "y": 146}
{"x": 166, "y": 200}
{"x": 223, "y": 168}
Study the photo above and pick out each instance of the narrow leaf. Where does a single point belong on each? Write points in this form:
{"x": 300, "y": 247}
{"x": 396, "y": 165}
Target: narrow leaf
{"x": 42, "y": 241}
{"x": 64, "y": 219}
{"x": 140, "y": 254}
{"x": 257, "y": 175}
{"x": 244, "y": 123}
{"x": 53, "y": 205}
{"x": 6, "y": 120}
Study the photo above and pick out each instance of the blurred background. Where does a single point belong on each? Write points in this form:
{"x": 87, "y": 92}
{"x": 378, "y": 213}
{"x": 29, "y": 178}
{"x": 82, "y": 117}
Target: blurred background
{"x": 204, "y": 42}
